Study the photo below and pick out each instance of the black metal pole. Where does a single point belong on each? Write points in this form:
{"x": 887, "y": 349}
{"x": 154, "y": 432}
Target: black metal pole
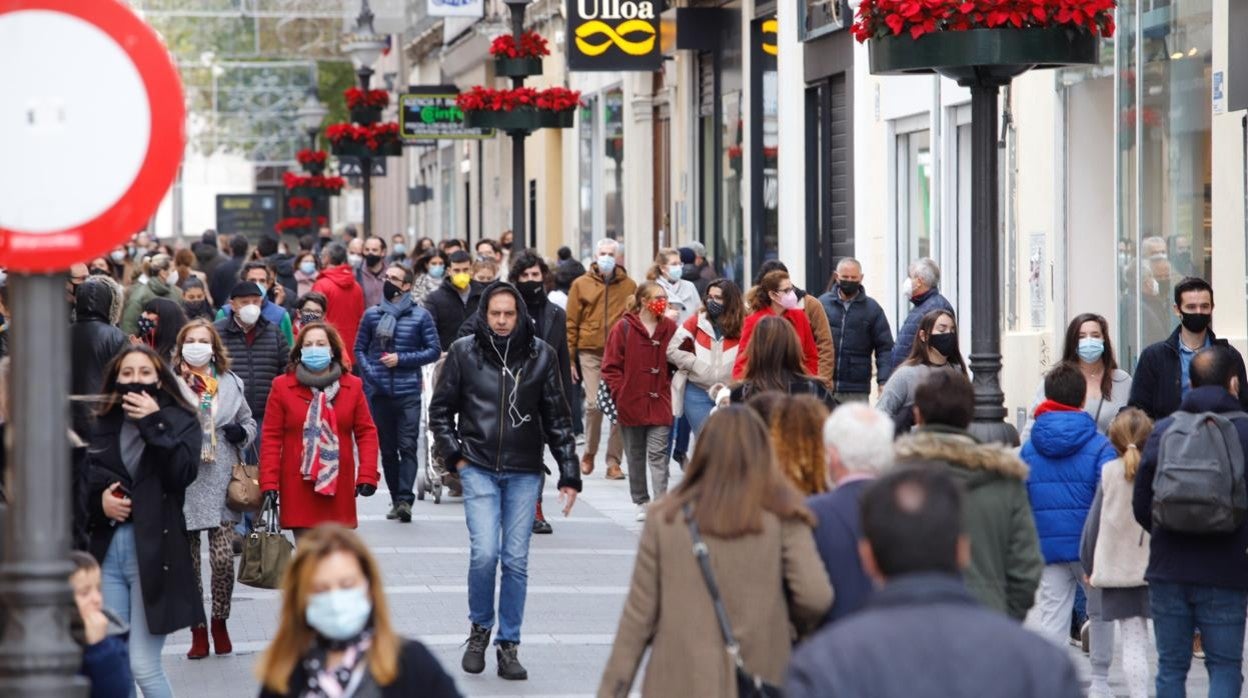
{"x": 985, "y": 360}
{"x": 366, "y": 171}
{"x": 38, "y": 656}
{"x": 517, "y": 143}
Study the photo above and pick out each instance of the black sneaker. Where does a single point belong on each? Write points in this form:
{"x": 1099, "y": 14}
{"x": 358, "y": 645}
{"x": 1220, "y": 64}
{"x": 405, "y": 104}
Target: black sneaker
{"x": 509, "y": 666}
{"x": 474, "y": 656}
{"x": 393, "y": 513}
{"x": 404, "y": 512}
{"x": 542, "y": 526}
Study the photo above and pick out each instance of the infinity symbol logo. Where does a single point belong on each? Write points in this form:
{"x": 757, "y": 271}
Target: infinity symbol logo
{"x": 770, "y": 27}
{"x": 615, "y": 37}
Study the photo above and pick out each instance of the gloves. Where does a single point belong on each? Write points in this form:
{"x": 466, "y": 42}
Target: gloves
{"x": 270, "y": 499}
{"x": 234, "y": 433}
{"x": 363, "y": 490}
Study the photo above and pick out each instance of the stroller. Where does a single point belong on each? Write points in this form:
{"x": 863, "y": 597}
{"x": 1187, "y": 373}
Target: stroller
{"x": 433, "y": 477}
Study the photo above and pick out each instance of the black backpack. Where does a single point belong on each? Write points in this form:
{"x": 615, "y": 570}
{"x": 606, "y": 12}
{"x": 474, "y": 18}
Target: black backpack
{"x": 1199, "y": 484}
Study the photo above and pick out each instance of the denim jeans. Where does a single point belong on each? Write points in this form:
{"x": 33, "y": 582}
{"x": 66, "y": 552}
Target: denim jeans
{"x": 577, "y": 394}
{"x": 499, "y": 508}
{"x": 398, "y": 437}
{"x": 1178, "y": 611}
{"x": 119, "y": 584}
{"x": 678, "y": 438}
{"x": 698, "y": 406}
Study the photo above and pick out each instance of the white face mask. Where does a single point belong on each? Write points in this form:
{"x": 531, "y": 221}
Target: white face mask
{"x": 249, "y": 314}
{"x": 197, "y": 354}
{"x": 355, "y": 260}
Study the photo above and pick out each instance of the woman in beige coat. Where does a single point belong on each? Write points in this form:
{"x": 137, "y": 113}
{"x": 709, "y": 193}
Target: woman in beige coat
{"x": 758, "y": 531}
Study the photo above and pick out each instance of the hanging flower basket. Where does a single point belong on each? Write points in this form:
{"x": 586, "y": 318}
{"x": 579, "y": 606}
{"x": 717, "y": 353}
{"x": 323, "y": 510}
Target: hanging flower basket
{"x": 521, "y": 109}
{"x": 365, "y": 116}
{"x": 517, "y": 67}
{"x": 979, "y": 41}
{"x": 360, "y": 141}
{"x": 313, "y": 186}
{"x": 350, "y": 149}
{"x": 313, "y": 161}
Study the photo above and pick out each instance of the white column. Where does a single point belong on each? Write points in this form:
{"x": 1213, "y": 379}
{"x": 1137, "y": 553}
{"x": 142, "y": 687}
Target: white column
{"x": 638, "y": 172}
{"x": 792, "y": 140}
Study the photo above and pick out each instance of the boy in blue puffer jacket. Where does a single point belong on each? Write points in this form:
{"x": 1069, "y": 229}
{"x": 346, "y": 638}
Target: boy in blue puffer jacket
{"x": 1064, "y": 456}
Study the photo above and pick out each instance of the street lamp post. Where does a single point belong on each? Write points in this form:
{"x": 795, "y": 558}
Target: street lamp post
{"x": 309, "y": 116}
{"x": 517, "y": 8}
{"x": 365, "y": 45}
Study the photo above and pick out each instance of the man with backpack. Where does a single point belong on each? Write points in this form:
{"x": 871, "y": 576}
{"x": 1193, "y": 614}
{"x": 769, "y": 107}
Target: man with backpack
{"x": 1198, "y": 565}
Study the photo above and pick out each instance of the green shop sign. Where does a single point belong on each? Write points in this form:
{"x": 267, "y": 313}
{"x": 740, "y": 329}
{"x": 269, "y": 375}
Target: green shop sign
{"x": 428, "y": 113}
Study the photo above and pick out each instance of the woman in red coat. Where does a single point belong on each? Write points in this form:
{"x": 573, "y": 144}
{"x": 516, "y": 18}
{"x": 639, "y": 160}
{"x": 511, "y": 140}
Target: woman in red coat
{"x": 635, "y": 368}
{"x": 315, "y": 419}
{"x": 775, "y": 295}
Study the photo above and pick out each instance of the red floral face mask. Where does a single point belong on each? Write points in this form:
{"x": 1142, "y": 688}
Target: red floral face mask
{"x": 657, "y": 307}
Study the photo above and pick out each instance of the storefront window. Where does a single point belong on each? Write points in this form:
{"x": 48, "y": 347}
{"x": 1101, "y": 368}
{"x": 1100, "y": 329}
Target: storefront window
{"x": 764, "y": 137}
{"x": 601, "y": 156}
{"x": 914, "y": 198}
{"x": 1164, "y": 83}
{"x": 586, "y": 186}
{"x": 730, "y": 246}
{"x": 613, "y": 163}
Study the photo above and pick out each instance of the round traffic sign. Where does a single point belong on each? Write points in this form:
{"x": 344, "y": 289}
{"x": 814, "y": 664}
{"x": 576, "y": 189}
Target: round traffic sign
{"x": 91, "y": 128}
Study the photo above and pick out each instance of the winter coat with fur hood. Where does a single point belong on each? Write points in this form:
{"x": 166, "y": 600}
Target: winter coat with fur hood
{"x": 1005, "y": 551}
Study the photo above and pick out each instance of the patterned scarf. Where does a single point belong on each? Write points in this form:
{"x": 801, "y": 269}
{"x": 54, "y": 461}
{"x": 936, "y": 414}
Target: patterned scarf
{"x": 336, "y": 683}
{"x": 206, "y": 388}
{"x": 320, "y": 431}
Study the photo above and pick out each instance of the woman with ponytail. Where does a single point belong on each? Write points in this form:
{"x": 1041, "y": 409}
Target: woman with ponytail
{"x": 1115, "y": 552}
{"x": 157, "y": 270}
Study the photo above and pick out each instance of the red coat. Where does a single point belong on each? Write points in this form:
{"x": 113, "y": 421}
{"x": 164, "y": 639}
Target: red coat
{"x": 281, "y": 451}
{"x": 797, "y": 318}
{"x": 635, "y": 368}
{"x": 346, "y": 304}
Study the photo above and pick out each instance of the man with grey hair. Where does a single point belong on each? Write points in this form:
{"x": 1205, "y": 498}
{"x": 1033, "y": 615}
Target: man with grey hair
{"x": 858, "y": 441}
{"x": 859, "y": 330}
{"x": 922, "y": 287}
{"x": 596, "y": 301}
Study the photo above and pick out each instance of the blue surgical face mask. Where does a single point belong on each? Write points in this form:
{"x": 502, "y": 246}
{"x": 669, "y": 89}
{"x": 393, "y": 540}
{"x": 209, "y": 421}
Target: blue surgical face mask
{"x": 674, "y": 271}
{"x": 340, "y": 614}
{"x": 400, "y": 248}
{"x": 437, "y": 271}
{"x": 315, "y": 358}
{"x": 606, "y": 264}
{"x": 308, "y": 268}
{"x": 1091, "y": 349}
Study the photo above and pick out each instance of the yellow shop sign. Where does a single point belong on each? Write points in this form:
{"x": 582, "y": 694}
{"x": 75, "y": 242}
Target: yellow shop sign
{"x": 614, "y": 35}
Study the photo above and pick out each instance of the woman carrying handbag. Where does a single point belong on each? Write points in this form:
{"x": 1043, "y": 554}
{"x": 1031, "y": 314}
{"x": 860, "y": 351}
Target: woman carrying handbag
{"x": 756, "y": 533}
{"x": 226, "y": 427}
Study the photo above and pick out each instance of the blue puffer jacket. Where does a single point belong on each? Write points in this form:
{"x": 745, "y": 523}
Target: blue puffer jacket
{"x": 1065, "y": 455}
{"x": 924, "y": 304}
{"x": 415, "y": 340}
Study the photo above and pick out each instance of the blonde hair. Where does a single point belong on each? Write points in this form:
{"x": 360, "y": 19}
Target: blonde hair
{"x": 294, "y": 635}
{"x": 1128, "y": 433}
{"x": 797, "y": 437}
{"x": 659, "y": 269}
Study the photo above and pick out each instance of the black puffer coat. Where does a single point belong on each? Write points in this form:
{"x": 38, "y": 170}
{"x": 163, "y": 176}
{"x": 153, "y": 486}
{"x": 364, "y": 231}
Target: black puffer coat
{"x": 169, "y": 465}
{"x": 94, "y": 340}
{"x": 551, "y": 326}
{"x": 503, "y": 421}
{"x": 449, "y": 311}
{"x": 258, "y": 363}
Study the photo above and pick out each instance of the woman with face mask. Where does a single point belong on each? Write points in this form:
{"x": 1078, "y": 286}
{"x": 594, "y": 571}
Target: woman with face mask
{"x": 1089, "y": 346}
{"x": 195, "y": 301}
{"x": 316, "y": 420}
{"x": 157, "y": 270}
{"x": 704, "y": 348}
{"x": 666, "y": 272}
{"x": 159, "y": 325}
{"x": 226, "y": 427}
{"x": 309, "y": 308}
{"x": 305, "y": 273}
{"x": 334, "y": 637}
{"x": 430, "y": 269}
{"x": 935, "y": 348}
{"x": 776, "y": 295}
{"x": 143, "y": 455}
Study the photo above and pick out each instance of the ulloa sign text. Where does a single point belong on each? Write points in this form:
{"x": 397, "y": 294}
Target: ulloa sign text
{"x": 613, "y": 35}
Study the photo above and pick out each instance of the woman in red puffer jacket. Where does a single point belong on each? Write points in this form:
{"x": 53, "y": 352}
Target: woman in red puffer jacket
{"x": 635, "y": 369}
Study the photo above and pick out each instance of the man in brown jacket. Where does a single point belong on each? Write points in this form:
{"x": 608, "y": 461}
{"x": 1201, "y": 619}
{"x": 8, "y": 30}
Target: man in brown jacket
{"x": 818, "y": 325}
{"x": 595, "y": 302}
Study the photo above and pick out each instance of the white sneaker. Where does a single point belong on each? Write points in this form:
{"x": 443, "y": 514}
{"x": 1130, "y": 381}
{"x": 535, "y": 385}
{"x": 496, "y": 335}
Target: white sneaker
{"x": 641, "y": 512}
{"x": 580, "y": 439}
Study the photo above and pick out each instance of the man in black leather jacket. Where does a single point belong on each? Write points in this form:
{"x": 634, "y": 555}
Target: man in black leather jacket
{"x": 505, "y": 386}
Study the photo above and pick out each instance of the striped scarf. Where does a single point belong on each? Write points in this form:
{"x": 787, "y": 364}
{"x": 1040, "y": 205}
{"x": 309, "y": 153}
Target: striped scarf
{"x": 205, "y": 388}
{"x": 320, "y": 434}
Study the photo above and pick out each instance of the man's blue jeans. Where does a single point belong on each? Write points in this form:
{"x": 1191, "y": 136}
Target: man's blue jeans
{"x": 499, "y": 508}
{"x": 398, "y": 436}
{"x": 1178, "y": 611}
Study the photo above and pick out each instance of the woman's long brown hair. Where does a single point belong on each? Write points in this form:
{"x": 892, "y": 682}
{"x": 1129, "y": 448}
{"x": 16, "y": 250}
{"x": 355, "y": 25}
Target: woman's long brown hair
{"x": 733, "y": 318}
{"x": 1128, "y": 433}
{"x": 294, "y": 636}
{"x": 774, "y": 356}
{"x": 1070, "y": 350}
{"x": 797, "y": 436}
{"x": 732, "y": 478}
{"x": 918, "y": 350}
{"x": 759, "y": 297}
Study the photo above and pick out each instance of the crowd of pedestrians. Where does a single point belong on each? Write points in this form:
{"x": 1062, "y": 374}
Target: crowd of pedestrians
{"x": 812, "y": 540}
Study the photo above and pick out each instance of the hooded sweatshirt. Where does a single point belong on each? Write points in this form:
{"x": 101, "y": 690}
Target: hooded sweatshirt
{"x": 1005, "y": 553}
{"x": 1065, "y": 455}
{"x": 345, "y": 303}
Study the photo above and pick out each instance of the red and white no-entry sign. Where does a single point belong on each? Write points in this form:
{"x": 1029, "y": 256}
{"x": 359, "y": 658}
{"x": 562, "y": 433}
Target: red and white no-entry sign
{"x": 91, "y": 129}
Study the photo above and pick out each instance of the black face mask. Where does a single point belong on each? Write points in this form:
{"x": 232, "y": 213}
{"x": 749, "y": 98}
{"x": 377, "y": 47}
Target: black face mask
{"x": 308, "y": 318}
{"x": 390, "y": 291}
{"x": 195, "y": 308}
{"x": 1197, "y": 322}
{"x": 714, "y": 309}
{"x": 945, "y": 344}
{"x": 372, "y": 260}
{"x": 850, "y": 288}
{"x": 147, "y": 326}
{"x": 98, "y": 272}
{"x": 124, "y": 389}
{"x": 532, "y": 292}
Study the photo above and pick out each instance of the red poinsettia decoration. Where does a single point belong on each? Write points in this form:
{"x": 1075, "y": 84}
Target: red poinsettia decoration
{"x": 299, "y": 203}
{"x": 880, "y": 18}
{"x": 310, "y": 157}
{"x": 298, "y": 222}
{"x": 356, "y": 98}
{"x": 373, "y": 136}
{"x": 330, "y": 184}
{"x": 531, "y": 45}
{"x": 551, "y": 99}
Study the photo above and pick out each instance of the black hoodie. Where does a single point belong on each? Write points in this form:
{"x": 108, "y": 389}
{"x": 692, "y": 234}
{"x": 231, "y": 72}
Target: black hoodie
{"x": 94, "y": 341}
{"x": 507, "y": 393}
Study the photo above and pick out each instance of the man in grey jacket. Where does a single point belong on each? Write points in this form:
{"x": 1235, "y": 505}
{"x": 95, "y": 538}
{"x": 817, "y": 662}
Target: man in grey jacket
{"x": 921, "y": 634}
